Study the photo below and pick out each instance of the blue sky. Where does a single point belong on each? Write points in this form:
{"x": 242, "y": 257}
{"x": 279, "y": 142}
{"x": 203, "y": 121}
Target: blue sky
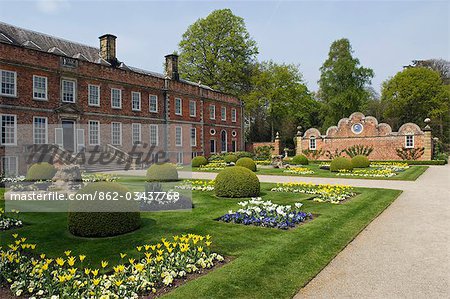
{"x": 385, "y": 35}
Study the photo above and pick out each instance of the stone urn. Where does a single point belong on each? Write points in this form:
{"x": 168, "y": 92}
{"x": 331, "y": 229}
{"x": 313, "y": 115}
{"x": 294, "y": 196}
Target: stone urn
{"x": 67, "y": 177}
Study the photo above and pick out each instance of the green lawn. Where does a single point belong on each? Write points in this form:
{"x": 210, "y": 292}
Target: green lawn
{"x": 267, "y": 263}
{"x": 410, "y": 174}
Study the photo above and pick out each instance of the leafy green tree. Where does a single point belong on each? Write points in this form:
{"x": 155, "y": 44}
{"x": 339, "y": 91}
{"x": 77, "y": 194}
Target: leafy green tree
{"x": 415, "y": 94}
{"x": 278, "y": 101}
{"x": 219, "y": 52}
{"x": 343, "y": 83}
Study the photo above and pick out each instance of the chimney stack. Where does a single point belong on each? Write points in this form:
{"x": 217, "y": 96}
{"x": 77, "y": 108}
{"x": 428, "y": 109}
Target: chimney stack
{"x": 172, "y": 67}
{"x": 108, "y": 48}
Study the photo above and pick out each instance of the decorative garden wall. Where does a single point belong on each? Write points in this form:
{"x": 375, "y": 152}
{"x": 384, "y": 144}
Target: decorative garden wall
{"x": 365, "y": 133}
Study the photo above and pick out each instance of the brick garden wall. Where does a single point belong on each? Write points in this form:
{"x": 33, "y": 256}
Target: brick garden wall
{"x": 378, "y": 136}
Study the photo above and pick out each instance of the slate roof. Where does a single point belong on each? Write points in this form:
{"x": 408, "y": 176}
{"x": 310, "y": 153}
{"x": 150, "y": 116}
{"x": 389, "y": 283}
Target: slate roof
{"x": 46, "y": 43}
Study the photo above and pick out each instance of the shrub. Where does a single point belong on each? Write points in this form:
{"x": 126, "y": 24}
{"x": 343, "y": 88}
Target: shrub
{"x": 199, "y": 161}
{"x": 85, "y": 223}
{"x": 263, "y": 152}
{"x": 300, "y": 160}
{"x": 164, "y": 172}
{"x": 243, "y": 154}
{"x": 230, "y": 158}
{"x": 360, "y": 161}
{"x": 215, "y": 158}
{"x": 41, "y": 172}
{"x": 247, "y": 163}
{"x": 341, "y": 163}
{"x": 237, "y": 181}
{"x": 358, "y": 150}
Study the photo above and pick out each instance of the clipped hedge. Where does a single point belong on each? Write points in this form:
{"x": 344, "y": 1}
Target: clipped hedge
{"x": 416, "y": 162}
{"x": 360, "y": 161}
{"x": 165, "y": 172}
{"x": 247, "y": 163}
{"x": 41, "y": 172}
{"x": 236, "y": 182}
{"x": 230, "y": 158}
{"x": 199, "y": 161}
{"x": 300, "y": 160}
{"x": 83, "y": 221}
{"x": 341, "y": 163}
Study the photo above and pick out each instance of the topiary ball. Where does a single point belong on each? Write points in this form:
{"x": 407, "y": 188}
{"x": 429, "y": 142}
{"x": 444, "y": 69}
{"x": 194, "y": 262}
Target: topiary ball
{"x": 165, "y": 172}
{"x": 236, "y": 182}
{"x": 360, "y": 161}
{"x": 199, "y": 161}
{"x": 247, "y": 163}
{"x": 300, "y": 160}
{"x": 41, "y": 172}
{"x": 230, "y": 158}
{"x": 340, "y": 163}
{"x": 85, "y": 220}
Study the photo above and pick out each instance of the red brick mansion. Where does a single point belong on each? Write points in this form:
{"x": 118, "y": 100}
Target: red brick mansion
{"x": 78, "y": 97}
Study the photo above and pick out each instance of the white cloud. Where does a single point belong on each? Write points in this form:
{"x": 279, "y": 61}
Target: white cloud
{"x": 52, "y": 6}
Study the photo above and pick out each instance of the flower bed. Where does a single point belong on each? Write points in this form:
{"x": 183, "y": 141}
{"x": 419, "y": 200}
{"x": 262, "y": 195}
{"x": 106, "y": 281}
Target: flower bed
{"x": 267, "y": 214}
{"x": 298, "y": 170}
{"x": 98, "y": 177}
{"x": 263, "y": 162}
{"x": 70, "y": 277}
{"x": 394, "y": 166}
{"x": 324, "y": 192}
{"x": 196, "y": 185}
{"x": 9, "y": 222}
{"x": 374, "y": 173}
{"x": 213, "y": 166}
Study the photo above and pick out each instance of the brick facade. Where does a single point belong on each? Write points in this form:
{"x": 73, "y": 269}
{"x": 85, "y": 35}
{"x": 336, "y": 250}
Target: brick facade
{"x": 26, "y": 62}
{"x": 361, "y": 130}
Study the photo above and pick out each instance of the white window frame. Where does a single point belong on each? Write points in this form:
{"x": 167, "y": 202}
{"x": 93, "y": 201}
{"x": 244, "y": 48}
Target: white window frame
{"x": 89, "y": 95}
{"x": 180, "y": 158}
{"x": 120, "y": 98}
{"x": 120, "y": 133}
{"x": 233, "y": 115}
{"x": 155, "y": 97}
{"x": 45, "y": 128}
{"x": 90, "y": 132}
{"x": 223, "y": 113}
{"x": 193, "y": 110}
{"x": 178, "y": 141}
{"x": 74, "y": 82}
{"x": 312, "y": 143}
{"x": 212, "y": 111}
{"x": 4, "y": 159}
{"x": 156, "y": 135}
{"x": 15, "y": 129}
{"x": 15, "y": 83}
{"x": 180, "y": 101}
{"x": 45, "y": 98}
{"x": 139, "y": 135}
{"x": 133, "y": 108}
{"x": 193, "y": 137}
{"x": 412, "y": 140}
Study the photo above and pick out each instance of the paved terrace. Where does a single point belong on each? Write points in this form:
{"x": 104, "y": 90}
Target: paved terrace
{"x": 404, "y": 253}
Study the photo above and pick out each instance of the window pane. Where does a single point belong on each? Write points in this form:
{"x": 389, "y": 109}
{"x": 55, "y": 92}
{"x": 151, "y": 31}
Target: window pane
{"x": 116, "y": 130}
{"x": 8, "y": 83}
{"x": 154, "y": 135}
{"x": 94, "y": 95}
{"x": 136, "y": 101}
{"x": 68, "y": 91}
{"x": 40, "y": 130}
{"x": 94, "y": 133}
{"x": 136, "y": 133}
{"x": 8, "y": 129}
{"x": 153, "y": 105}
{"x": 39, "y": 87}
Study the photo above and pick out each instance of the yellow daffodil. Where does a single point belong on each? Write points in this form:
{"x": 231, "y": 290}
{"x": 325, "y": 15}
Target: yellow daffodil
{"x": 67, "y": 252}
{"x": 60, "y": 261}
{"x": 96, "y": 281}
{"x": 94, "y": 272}
{"x": 122, "y": 255}
{"x": 104, "y": 264}
{"x": 82, "y": 257}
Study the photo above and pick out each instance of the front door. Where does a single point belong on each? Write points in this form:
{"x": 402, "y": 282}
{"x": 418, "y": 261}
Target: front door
{"x": 68, "y": 127}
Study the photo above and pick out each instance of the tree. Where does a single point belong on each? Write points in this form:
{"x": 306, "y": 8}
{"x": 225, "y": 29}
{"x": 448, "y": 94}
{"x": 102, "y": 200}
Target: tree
{"x": 278, "y": 101}
{"x": 219, "y": 52}
{"x": 415, "y": 94}
{"x": 440, "y": 65}
{"x": 343, "y": 83}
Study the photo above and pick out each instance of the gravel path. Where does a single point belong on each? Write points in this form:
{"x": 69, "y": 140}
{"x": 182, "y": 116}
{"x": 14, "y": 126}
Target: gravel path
{"x": 404, "y": 253}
